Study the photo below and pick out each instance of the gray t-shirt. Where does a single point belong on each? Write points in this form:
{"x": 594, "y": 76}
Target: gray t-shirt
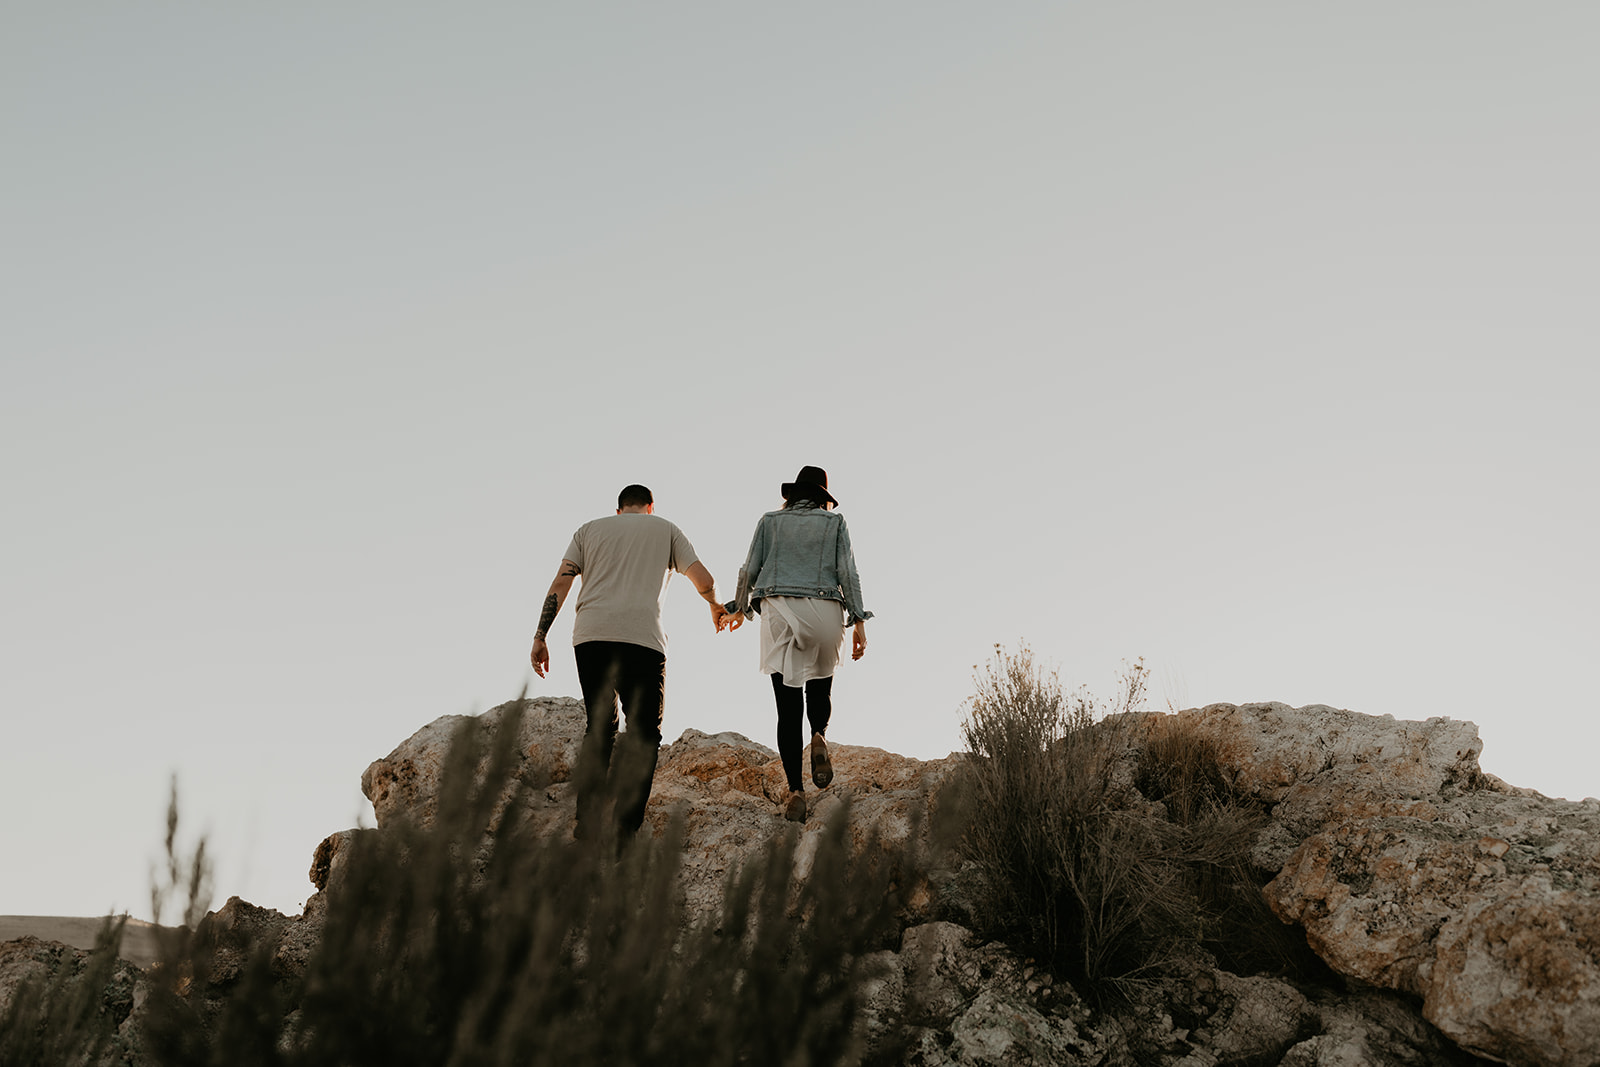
{"x": 624, "y": 562}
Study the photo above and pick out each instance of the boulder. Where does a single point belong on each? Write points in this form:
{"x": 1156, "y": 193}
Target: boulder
{"x": 1317, "y": 765}
{"x": 978, "y": 1003}
{"x": 724, "y": 786}
{"x": 1256, "y": 1021}
{"x": 1371, "y": 1028}
{"x": 96, "y": 1024}
{"x": 228, "y": 937}
{"x": 405, "y": 783}
{"x": 1411, "y": 870}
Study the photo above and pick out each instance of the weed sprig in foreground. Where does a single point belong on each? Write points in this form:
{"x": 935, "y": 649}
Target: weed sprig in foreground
{"x": 477, "y": 942}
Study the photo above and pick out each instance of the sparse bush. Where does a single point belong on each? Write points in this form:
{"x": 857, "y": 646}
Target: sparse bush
{"x": 476, "y": 942}
{"x": 1070, "y": 874}
{"x": 1078, "y": 867}
{"x": 1182, "y": 768}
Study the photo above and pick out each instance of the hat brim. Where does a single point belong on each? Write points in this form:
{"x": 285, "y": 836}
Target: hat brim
{"x": 810, "y": 489}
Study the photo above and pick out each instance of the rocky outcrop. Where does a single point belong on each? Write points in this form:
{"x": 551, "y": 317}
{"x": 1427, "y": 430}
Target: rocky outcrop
{"x": 978, "y": 1003}
{"x": 1488, "y": 909}
{"x": 724, "y": 786}
{"x": 1408, "y": 867}
{"x": 84, "y": 1006}
{"x": 1317, "y": 766}
{"x": 1411, "y": 870}
{"x": 1459, "y": 916}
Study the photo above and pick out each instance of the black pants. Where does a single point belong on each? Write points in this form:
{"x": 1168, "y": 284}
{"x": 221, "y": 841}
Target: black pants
{"x": 610, "y": 671}
{"x": 794, "y": 704}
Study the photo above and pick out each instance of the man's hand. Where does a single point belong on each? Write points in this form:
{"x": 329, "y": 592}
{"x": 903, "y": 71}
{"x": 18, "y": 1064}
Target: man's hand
{"x": 858, "y": 641}
{"x": 707, "y": 587}
{"x": 540, "y": 657}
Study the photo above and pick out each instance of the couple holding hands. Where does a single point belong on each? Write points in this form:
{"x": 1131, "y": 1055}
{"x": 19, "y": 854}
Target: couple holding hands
{"x": 799, "y": 577}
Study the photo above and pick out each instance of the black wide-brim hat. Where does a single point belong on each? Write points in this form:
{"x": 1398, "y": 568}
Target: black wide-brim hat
{"x": 811, "y": 483}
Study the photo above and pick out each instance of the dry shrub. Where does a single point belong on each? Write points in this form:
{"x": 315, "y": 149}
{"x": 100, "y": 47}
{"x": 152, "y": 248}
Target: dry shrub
{"x": 1069, "y": 874}
{"x": 1179, "y": 766}
{"x": 1077, "y": 867}
{"x": 1182, "y": 768}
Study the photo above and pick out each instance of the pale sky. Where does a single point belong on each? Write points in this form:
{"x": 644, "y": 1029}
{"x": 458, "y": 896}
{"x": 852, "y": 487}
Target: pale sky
{"x": 1257, "y": 340}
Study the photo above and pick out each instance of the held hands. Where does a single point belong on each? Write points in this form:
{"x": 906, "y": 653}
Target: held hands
{"x": 719, "y": 616}
{"x": 733, "y": 620}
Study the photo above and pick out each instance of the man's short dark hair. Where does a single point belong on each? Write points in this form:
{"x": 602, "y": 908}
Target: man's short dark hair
{"x": 634, "y": 496}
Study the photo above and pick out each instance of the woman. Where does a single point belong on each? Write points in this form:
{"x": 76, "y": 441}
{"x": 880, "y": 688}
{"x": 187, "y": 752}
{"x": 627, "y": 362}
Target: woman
{"x": 800, "y": 577}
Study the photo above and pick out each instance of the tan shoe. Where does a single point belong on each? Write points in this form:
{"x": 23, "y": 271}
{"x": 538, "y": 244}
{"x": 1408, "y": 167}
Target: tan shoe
{"x": 821, "y": 766}
{"x": 794, "y": 809}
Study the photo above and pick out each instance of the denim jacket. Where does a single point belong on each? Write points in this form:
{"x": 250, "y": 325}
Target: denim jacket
{"x": 802, "y": 550}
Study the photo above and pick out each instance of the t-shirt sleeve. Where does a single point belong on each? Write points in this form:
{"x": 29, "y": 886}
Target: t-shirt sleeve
{"x": 683, "y": 555}
{"x": 574, "y": 550}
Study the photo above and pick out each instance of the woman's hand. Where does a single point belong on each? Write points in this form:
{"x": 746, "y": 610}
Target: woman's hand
{"x": 733, "y": 620}
{"x": 858, "y": 640}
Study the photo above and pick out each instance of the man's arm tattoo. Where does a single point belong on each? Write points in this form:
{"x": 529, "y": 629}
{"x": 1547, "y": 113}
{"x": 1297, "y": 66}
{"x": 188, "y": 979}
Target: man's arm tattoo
{"x": 568, "y": 570}
{"x": 552, "y": 604}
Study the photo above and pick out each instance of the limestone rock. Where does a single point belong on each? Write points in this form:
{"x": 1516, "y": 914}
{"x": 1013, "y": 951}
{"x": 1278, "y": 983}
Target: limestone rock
{"x": 1517, "y": 974}
{"x": 29, "y": 958}
{"x": 1004, "y": 1030}
{"x": 405, "y": 784}
{"x": 725, "y": 787}
{"x": 327, "y": 862}
{"x": 1272, "y": 747}
{"x": 1317, "y": 764}
{"x": 1420, "y": 877}
{"x": 981, "y": 1004}
{"x": 111, "y": 1005}
{"x": 229, "y": 935}
{"x": 1488, "y": 910}
{"x": 1258, "y": 1020}
{"x": 1372, "y": 1029}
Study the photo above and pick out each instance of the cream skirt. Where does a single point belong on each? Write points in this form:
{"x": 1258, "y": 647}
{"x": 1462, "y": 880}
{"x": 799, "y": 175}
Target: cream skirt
{"x": 800, "y": 637}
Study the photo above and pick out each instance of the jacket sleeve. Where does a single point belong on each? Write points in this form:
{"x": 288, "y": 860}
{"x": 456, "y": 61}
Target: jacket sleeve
{"x": 751, "y": 569}
{"x": 849, "y": 580}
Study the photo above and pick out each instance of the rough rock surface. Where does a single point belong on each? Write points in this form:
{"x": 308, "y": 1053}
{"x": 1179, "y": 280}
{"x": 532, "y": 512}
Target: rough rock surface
{"x": 1259, "y": 1020}
{"x": 1493, "y": 922}
{"x": 1461, "y": 915}
{"x": 29, "y": 958}
{"x": 1318, "y": 765}
{"x": 1409, "y": 868}
{"x": 1413, "y": 871}
{"x": 726, "y": 787}
{"x": 1372, "y": 1029}
{"x": 979, "y": 1004}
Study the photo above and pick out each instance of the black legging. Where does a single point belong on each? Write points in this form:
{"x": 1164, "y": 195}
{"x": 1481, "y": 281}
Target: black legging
{"x": 814, "y": 702}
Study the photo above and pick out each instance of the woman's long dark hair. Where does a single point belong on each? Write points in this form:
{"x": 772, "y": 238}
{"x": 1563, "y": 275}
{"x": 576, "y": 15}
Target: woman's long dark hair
{"x": 805, "y": 496}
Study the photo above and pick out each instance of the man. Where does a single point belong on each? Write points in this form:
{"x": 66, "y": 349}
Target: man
{"x": 625, "y": 560}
